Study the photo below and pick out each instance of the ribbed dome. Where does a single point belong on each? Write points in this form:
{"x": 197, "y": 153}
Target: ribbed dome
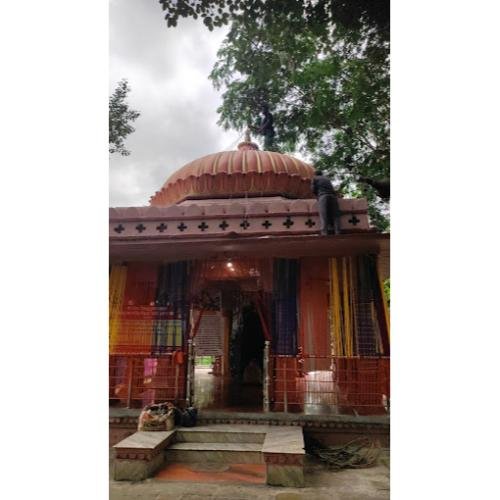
{"x": 233, "y": 173}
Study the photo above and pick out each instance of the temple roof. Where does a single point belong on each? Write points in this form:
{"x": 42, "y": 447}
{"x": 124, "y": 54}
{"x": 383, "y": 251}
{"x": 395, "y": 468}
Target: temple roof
{"x": 247, "y": 171}
{"x": 246, "y": 202}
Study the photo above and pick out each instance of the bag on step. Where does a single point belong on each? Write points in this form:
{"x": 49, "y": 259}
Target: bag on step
{"x": 187, "y": 417}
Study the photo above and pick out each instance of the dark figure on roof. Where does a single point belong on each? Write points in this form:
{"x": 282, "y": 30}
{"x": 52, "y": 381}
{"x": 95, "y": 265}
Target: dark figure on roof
{"x": 266, "y": 127}
{"x": 328, "y": 206}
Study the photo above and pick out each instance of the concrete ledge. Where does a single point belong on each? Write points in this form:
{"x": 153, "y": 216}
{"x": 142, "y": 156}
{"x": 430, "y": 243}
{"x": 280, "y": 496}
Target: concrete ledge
{"x": 284, "y": 453}
{"x": 139, "y": 456}
{"x": 284, "y": 440}
{"x": 126, "y": 416}
{"x": 285, "y": 475}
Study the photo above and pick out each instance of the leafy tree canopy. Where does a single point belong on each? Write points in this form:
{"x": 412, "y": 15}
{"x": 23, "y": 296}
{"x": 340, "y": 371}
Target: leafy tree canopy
{"x": 350, "y": 14}
{"x": 320, "y": 69}
{"x": 120, "y": 118}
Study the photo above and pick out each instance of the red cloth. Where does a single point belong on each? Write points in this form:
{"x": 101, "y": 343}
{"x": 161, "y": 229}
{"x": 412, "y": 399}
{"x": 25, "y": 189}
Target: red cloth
{"x": 314, "y": 331}
{"x": 138, "y": 313}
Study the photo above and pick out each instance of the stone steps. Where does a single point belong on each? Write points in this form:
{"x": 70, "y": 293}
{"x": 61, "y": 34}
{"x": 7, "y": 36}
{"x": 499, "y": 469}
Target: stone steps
{"x": 215, "y": 452}
{"x": 280, "y": 448}
{"x": 224, "y": 433}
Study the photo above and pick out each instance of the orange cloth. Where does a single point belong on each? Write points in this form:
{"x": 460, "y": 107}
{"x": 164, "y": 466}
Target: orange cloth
{"x": 138, "y": 311}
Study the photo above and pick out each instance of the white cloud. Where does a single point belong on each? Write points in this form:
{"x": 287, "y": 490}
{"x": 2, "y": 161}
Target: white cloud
{"x": 167, "y": 70}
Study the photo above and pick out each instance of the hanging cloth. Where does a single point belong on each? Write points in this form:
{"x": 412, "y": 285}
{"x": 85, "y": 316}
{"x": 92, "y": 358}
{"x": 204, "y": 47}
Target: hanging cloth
{"x": 366, "y": 327}
{"x": 314, "y": 331}
{"x": 117, "y": 280}
{"x": 284, "y": 310}
{"x": 357, "y": 318}
{"x": 138, "y": 311}
{"x": 171, "y": 308}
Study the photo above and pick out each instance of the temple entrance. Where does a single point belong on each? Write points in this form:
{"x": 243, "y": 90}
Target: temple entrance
{"x": 230, "y": 317}
{"x": 230, "y": 377}
{"x": 246, "y": 361}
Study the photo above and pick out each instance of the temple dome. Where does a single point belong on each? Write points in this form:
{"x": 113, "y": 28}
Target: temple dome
{"x": 245, "y": 172}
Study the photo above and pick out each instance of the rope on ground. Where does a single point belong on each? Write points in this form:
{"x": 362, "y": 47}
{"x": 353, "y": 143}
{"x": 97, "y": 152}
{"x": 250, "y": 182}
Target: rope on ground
{"x": 358, "y": 453}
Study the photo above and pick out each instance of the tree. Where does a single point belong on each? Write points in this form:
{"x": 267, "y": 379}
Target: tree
{"x": 329, "y": 98}
{"x": 350, "y": 14}
{"x": 120, "y": 118}
{"x": 321, "y": 70}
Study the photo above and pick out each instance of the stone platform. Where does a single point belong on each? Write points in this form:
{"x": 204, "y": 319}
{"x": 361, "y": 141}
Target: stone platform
{"x": 329, "y": 429}
{"x": 281, "y": 449}
{"x": 139, "y": 456}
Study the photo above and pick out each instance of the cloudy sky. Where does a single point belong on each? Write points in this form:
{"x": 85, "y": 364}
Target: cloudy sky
{"x": 167, "y": 70}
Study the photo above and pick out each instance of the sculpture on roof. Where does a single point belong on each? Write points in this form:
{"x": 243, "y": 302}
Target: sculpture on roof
{"x": 266, "y": 127}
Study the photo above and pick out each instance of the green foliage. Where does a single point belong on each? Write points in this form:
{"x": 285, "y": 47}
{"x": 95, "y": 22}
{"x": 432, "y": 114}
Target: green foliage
{"x": 207, "y": 361}
{"x": 322, "y": 68}
{"x": 120, "y": 118}
{"x": 387, "y": 291}
{"x": 350, "y": 14}
{"x": 329, "y": 98}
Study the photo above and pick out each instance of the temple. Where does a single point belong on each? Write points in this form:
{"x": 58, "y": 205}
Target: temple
{"x": 223, "y": 295}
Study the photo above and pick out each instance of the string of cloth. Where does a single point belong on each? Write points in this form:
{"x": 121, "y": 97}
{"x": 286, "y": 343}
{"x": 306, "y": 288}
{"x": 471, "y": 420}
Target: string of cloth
{"x": 357, "y": 319}
{"x": 117, "y": 280}
{"x": 170, "y": 326}
{"x": 284, "y": 306}
{"x": 148, "y": 308}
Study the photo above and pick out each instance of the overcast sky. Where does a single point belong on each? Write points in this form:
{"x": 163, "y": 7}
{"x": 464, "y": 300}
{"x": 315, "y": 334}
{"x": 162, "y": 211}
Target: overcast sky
{"x": 167, "y": 70}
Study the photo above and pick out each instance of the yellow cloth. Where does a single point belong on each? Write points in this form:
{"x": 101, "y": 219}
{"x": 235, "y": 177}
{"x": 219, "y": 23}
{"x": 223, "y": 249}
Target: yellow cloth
{"x": 117, "y": 280}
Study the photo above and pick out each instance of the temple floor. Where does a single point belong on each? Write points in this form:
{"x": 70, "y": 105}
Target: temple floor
{"x": 215, "y": 392}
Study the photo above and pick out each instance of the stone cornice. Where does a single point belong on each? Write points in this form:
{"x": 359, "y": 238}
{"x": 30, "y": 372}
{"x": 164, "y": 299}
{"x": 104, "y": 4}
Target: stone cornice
{"x": 273, "y": 218}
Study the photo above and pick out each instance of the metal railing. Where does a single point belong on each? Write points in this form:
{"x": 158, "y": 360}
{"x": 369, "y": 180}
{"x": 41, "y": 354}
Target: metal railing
{"x": 138, "y": 380}
{"x": 300, "y": 384}
{"x": 330, "y": 384}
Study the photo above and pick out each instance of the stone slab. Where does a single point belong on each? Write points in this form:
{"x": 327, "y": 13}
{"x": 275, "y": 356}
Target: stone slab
{"x": 285, "y": 475}
{"x": 214, "y": 456}
{"x": 223, "y": 433}
{"x": 284, "y": 440}
{"x": 219, "y": 437}
{"x": 226, "y": 428}
{"x": 217, "y": 446}
{"x": 144, "y": 440}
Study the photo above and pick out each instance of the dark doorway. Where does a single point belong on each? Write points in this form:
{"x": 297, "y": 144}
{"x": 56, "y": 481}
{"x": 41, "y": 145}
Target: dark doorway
{"x": 233, "y": 381}
{"x": 246, "y": 361}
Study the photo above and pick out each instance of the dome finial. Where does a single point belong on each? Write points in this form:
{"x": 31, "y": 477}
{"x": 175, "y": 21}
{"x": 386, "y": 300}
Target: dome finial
{"x": 247, "y": 144}
{"x": 247, "y": 135}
